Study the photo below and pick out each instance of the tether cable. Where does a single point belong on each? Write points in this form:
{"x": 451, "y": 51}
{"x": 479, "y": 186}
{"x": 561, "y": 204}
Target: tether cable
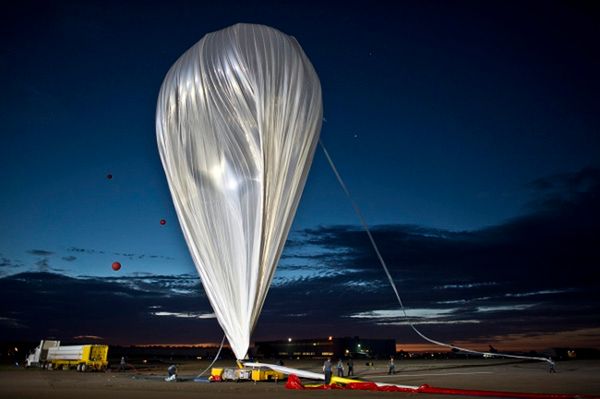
{"x": 214, "y": 360}
{"x": 364, "y": 224}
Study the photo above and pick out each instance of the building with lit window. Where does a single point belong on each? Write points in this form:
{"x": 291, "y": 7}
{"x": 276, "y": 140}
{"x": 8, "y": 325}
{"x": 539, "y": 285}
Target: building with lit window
{"x": 319, "y": 348}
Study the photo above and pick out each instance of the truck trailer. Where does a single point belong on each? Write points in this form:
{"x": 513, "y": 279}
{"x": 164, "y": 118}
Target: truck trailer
{"x": 50, "y": 355}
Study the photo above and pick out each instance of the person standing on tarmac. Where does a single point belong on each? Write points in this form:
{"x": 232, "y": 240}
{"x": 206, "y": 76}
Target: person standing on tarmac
{"x": 327, "y": 371}
{"x": 340, "y": 368}
{"x": 391, "y": 366}
{"x": 350, "y": 367}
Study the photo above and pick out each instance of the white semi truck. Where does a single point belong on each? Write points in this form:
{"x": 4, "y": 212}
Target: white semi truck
{"x": 49, "y": 354}
{"x": 38, "y": 356}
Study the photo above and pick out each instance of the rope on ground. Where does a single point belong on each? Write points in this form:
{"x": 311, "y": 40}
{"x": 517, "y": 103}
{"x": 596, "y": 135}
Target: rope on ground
{"x": 391, "y": 280}
{"x": 214, "y": 360}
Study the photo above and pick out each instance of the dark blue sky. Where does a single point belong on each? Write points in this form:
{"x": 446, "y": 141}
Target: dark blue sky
{"x": 442, "y": 117}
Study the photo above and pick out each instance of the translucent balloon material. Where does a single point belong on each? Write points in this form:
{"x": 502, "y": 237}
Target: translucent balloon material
{"x": 238, "y": 121}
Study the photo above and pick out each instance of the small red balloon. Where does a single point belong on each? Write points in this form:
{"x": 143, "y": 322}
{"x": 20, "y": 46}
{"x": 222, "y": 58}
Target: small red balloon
{"x": 109, "y": 176}
{"x": 163, "y": 221}
{"x": 116, "y": 266}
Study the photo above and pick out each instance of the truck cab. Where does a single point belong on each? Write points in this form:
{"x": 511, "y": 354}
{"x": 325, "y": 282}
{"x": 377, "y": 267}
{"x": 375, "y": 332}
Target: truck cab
{"x": 38, "y": 356}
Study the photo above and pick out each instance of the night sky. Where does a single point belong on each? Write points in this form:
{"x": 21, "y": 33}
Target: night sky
{"x": 468, "y": 133}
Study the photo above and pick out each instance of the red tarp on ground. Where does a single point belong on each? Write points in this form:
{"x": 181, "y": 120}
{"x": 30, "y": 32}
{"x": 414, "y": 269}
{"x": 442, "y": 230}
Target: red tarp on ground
{"x": 294, "y": 382}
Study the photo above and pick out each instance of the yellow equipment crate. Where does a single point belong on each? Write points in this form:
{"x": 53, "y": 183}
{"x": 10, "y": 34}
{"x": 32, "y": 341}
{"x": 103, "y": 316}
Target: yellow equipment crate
{"x": 216, "y": 372}
{"x": 266, "y": 375}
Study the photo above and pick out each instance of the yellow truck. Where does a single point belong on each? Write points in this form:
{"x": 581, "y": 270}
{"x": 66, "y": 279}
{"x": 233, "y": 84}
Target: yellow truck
{"x": 51, "y": 355}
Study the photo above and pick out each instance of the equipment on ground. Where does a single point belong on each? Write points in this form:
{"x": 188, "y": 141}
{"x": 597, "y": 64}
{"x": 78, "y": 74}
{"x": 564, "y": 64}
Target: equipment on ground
{"x": 172, "y": 373}
{"x": 50, "y": 355}
{"x": 256, "y": 374}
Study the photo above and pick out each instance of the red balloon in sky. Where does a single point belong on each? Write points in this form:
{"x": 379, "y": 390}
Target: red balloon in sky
{"x": 163, "y": 221}
{"x": 116, "y": 266}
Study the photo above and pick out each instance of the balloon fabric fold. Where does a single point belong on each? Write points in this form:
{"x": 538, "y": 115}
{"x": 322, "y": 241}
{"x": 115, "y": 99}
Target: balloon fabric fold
{"x": 238, "y": 120}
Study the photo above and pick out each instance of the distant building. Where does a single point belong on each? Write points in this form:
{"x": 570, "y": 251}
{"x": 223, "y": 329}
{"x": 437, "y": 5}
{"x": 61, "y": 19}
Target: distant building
{"x": 168, "y": 353}
{"x": 319, "y": 348}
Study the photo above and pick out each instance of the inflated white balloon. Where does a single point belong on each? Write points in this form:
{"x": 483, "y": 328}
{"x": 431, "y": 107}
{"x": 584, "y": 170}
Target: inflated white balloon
{"x": 238, "y": 121}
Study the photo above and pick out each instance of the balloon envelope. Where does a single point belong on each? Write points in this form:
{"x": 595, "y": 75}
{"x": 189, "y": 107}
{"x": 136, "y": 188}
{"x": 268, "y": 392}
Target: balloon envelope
{"x": 238, "y": 121}
{"x": 116, "y": 266}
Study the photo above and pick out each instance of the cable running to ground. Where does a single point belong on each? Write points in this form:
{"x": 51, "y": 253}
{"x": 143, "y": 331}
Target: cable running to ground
{"x": 364, "y": 224}
{"x": 214, "y": 360}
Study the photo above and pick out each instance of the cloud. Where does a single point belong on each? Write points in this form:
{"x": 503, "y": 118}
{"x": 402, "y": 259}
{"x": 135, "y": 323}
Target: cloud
{"x": 40, "y": 252}
{"x": 9, "y": 263}
{"x": 538, "y": 293}
{"x": 176, "y": 285}
{"x": 51, "y": 304}
{"x": 534, "y": 273}
{"x": 426, "y": 313}
{"x": 187, "y": 315}
{"x": 88, "y": 337}
{"x": 69, "y": 258}
{"x": 43, "y": 264}
{"x": 12, "y": 323}
{"x": 8, "y": 266}
{"x": 465, "y": 286}
{"x": 554, "y": 192}
{"x": 85, "y": 251}
{"x": 508, "y": 308}
{"x": 534, "y": 276}
{"x": 128, "y": 255}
